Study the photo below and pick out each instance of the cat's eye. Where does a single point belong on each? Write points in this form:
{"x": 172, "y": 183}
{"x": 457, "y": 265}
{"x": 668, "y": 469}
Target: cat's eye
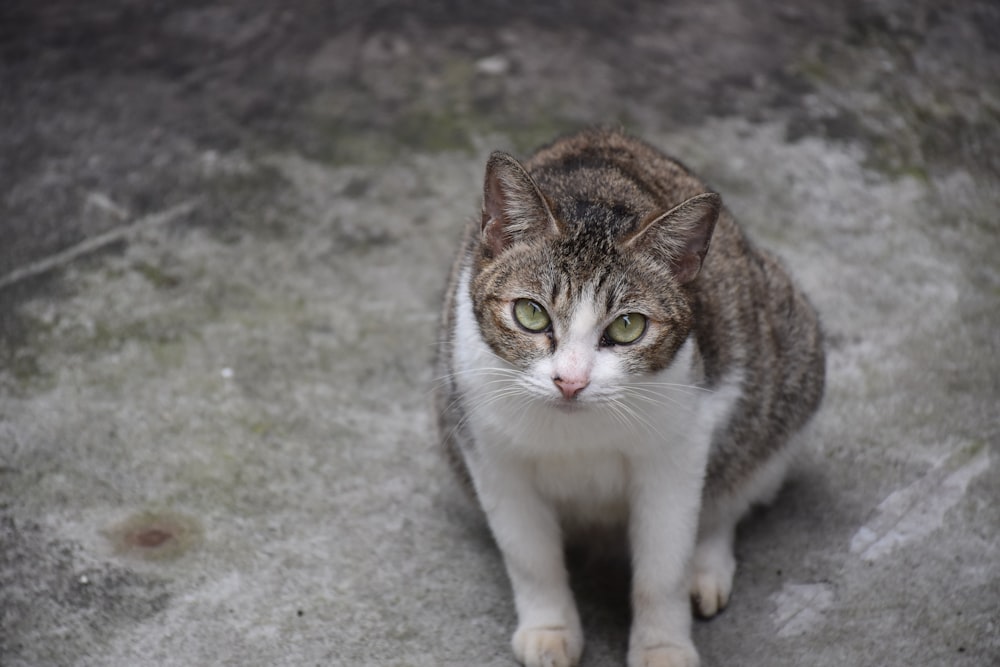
{"x": 531, "y": 316}
{"x": 626, "y": 329}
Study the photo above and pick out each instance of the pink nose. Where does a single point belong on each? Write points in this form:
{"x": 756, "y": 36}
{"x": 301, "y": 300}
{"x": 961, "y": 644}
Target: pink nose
{"x": 570, "y": 388}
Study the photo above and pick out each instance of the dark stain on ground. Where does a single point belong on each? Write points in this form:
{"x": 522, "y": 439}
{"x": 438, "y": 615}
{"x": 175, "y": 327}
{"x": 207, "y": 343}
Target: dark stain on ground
{"x": 161, "y": 535}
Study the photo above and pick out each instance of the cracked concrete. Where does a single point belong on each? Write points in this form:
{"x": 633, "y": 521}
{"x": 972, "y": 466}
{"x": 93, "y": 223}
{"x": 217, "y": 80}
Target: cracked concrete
{"x": 226, "y": 229}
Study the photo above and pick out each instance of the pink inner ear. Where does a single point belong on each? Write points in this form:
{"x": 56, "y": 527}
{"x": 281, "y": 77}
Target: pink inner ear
{"x": 686, "y": 268}
{"x": 494, "y": 203}
{"x": 694, "y": 222}
{"x": 494, "y": 234}
{"x": 513, "y": 207}
{"x": 493, "y": 198}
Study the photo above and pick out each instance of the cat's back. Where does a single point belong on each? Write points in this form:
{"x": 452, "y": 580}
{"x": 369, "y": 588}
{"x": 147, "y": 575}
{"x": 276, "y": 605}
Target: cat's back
{"x": 608, "y": 167}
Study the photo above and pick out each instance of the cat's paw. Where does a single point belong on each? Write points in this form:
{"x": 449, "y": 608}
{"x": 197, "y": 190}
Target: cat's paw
{"x": 665, "y": 655}
{"x": 712, "y": 580}
{"x": 548, "y": 646}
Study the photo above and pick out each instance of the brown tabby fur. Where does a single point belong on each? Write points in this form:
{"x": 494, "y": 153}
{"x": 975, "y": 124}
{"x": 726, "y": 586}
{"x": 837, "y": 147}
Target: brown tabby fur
{"x": 602, "y": 188}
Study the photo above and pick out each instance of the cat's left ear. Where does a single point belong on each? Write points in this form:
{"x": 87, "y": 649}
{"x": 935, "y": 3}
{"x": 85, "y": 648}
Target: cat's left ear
{"x": 681, "y": 236}
{"x": 514, "y": 209}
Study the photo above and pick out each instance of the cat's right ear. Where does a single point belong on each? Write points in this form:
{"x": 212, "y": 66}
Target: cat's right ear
{"x": 514, "y": 209}
{"x": 680, "y": 237}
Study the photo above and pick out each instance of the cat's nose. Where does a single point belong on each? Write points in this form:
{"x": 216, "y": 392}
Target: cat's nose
{"x": 571, "y": 387}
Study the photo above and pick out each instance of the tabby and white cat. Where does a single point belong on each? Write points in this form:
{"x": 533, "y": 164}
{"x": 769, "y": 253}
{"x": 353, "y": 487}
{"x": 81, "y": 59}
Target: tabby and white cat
{"x": 602, "y": 365}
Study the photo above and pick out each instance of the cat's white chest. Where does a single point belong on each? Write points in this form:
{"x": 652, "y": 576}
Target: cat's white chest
{"x": 591, "y": 488}
{"x": 582, "y": 459}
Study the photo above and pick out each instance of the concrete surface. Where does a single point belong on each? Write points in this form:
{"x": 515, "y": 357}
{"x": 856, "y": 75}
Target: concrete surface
{"x": 225, "y": 230}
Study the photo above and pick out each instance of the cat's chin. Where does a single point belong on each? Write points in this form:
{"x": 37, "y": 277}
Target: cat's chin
{"x": 569, "y": 406}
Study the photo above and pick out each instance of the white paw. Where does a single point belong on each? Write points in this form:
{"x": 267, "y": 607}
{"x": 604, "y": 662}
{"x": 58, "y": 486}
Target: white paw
{"x": 712, "y": 580}
{"x": 548, "y": 646}
{"x": 665, "y": 655}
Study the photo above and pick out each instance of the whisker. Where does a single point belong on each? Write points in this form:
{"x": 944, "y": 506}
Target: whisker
{"x": 642, "y": 420}
{"x": 673, "y": 385}
{"x": 442, "y": 380}
{"x": 485, "y": 370}
{"x": 512, "y": 379}
{"x": 656, "y": 398}
{"x": 488, "y": 401}
{"x": 618, "y": 414}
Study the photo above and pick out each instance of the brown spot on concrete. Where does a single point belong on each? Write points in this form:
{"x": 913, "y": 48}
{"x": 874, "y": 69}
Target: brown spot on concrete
{"x": 151, "y": 538}
{"x": 160, "y": 535}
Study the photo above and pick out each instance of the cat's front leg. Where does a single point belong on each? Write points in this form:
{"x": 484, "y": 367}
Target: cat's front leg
{"x": 664, "y": 516}
{"x": 527, "y": 531}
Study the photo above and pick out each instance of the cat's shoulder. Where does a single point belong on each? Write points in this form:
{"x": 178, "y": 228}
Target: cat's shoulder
{"x": 610, "y": 160}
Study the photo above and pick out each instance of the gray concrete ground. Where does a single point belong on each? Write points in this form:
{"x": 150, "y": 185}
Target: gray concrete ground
{"x": 225, "y": 231}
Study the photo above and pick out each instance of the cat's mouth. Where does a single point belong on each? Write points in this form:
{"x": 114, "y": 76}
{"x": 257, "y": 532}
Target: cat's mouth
{"x": 568, "y": 405}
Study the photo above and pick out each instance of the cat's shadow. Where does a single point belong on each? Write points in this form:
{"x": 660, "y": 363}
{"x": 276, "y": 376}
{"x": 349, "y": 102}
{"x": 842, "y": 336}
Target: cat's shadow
{"x": 601, "y": 582}
{"x": 601, "y": 579}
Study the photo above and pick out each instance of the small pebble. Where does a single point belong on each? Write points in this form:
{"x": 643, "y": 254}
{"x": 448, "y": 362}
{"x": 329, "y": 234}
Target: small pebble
{"x": 494, "y": 65}
{"x": 227, "y": 372}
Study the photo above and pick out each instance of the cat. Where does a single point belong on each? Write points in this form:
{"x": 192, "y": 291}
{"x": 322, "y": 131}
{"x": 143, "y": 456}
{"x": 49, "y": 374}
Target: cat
{"x": 616, "y": 351}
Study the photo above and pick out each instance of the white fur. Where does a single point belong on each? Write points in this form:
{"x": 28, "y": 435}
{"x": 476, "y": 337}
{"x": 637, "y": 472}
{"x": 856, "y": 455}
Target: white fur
{"x": 623, "y": 451}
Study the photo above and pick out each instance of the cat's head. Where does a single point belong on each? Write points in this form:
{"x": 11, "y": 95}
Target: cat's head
{"x": 584, "y": 294}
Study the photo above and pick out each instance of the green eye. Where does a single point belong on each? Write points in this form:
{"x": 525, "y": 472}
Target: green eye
{"x": 626, "y": 328}
{"x": 530, "y": 315}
